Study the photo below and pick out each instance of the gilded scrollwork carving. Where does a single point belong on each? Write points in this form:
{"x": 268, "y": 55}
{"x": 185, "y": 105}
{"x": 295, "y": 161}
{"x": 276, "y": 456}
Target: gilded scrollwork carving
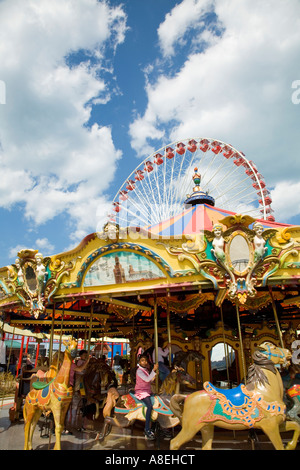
{"x": 26, "y": 279}
{"x": 112, "y": 233}
{"x": 244, "y": 275}
{"x": 58, "y": 269}
{"x": 186, "y": 250}
{"x": 34, "y": 279}
{"x": 236, "y": 258}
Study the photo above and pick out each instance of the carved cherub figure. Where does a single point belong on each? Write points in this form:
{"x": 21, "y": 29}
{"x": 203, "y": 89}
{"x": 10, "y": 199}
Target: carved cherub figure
{"x": 259, "y": 242}
{"x": 40, "y": 271}
{"x": 218, "y": 243}
{"x": 19, "y": 272}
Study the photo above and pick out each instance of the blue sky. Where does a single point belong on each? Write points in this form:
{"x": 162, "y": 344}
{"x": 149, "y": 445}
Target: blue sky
{"x": 91, "y": 88}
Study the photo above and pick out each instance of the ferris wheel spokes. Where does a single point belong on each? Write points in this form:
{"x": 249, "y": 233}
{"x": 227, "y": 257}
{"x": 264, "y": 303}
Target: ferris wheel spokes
{"x": 160, "y": 184}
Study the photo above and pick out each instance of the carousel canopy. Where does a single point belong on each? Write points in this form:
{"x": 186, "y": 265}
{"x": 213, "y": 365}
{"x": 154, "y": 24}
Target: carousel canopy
{"x": 196, "y": 219}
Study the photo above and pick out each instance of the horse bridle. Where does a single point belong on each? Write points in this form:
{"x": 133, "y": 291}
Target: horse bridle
{"x": 270, "y": 354}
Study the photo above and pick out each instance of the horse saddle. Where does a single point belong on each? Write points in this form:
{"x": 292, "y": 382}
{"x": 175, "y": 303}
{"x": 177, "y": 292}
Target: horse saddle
{"x": 138, "y": 401}
{"x": 240, "y": 404}
{"x": 236, "y": 397}
{"x": 41, "y": 385}
{"x": 132, "y": 403}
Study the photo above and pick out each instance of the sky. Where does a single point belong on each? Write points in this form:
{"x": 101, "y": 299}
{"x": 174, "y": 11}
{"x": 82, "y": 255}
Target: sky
{"x": 89, "y": 89}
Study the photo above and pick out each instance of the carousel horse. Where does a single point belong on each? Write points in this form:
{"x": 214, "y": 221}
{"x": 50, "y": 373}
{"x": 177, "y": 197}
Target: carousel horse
{"x": 294, "y": 393}
{"x": 21, "y": 391}
{"x": 128, "y": 408}
{"x": 54, "y": 396}
{"x": 174, "y": 380}
{"x": 125, "y": 364}
{"x": 97, "y": 377}
{"x": 182, "y": 358}
{"x": 55, "y": 365}
{"x": 258, "y": 404}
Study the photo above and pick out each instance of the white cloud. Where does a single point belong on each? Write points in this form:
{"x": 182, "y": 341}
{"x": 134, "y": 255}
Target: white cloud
{"x": 50, "y": 159}
{"x": 286, "y": 200}
{"x": 13, "y": 251}
{"x": 182, "y": 18}
{"x": 238, "y": 89}
{"x": 42, "y": 244}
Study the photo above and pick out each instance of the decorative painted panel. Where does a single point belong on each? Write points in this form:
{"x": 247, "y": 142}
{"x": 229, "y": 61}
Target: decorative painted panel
{"x": 121, "y": 267}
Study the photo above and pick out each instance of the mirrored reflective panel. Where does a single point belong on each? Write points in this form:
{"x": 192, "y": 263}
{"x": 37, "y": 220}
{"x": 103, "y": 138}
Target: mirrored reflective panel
{"x": 218, "y": 356}
{"x": 31, "y": 278}
{"x": 239, "y": 253}
{"x": 223, "y": 365}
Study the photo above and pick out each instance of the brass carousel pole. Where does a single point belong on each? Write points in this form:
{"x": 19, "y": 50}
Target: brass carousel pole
{"x": 225, "y": 346}
{"x": 169, "y": 333}
{"x": 102, "y": 345}
{"x": 276, "y": 318}
{"x": 3, "y": 338}
{"x": 241, "y": 341}
{"x": 133, "y": 357}
{"x": 10, "y": 350}
{"x": 51, "y": 335}
{"x": 60, "y": 336}
{"x": 90, "y": 327}
{"x": 85, "y": 327}
{"x": 156, "y": 341}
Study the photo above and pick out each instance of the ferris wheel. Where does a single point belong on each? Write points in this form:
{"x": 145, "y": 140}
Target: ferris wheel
{"x": 159, "y": 185}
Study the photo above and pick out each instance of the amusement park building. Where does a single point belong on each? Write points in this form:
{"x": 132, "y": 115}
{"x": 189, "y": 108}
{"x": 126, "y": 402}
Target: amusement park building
{"x": 201, "y": 276}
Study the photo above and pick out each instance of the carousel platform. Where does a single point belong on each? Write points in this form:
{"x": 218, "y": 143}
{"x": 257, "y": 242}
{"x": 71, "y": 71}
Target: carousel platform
{"x": 120, "y": 439}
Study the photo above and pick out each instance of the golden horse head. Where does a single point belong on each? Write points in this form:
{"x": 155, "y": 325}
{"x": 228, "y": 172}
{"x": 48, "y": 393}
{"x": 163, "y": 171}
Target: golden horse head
{"x": 70, "y": 345}
{"x": 277, "y": 355}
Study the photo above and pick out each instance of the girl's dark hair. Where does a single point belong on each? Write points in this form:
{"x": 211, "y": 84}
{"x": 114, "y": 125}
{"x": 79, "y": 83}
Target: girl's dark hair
{"x": 143, "y": 356}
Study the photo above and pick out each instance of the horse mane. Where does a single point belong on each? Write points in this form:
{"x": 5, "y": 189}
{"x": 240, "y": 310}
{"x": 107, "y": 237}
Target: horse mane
{"x": 98, "y": 366}
{"x": 169, "y": 384}
{"x": 255, "y": 371}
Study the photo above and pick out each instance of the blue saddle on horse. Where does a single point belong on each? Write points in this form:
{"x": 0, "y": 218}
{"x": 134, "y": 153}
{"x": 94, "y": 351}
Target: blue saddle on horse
{"x": 236, "y": 396}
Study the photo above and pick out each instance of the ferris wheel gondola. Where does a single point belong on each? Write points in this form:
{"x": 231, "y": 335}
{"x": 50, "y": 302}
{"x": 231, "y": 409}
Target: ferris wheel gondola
{"x": 158, "y": 186}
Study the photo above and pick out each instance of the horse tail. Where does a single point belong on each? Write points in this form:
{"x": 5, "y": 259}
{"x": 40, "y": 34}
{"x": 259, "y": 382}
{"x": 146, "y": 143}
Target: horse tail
{"x": 111, "y": 400}
{"x": 176, "y": 404}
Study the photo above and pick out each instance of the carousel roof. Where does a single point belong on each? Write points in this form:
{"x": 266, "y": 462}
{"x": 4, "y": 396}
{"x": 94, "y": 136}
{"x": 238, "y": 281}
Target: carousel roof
{"x": 197, "y": 218}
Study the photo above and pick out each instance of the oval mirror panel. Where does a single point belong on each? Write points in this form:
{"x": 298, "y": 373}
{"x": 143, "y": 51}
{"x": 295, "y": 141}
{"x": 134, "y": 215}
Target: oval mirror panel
{"x": 239, "y": 253}
{"x": 31, "y": 278}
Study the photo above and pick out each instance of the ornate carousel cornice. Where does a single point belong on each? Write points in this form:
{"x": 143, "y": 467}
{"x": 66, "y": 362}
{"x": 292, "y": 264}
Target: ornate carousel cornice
{"x": 204, "y": 260}
{"x": 212, "y": 254}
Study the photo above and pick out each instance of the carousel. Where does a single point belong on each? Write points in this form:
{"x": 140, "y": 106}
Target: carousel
{"x": 190, "y": 254}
